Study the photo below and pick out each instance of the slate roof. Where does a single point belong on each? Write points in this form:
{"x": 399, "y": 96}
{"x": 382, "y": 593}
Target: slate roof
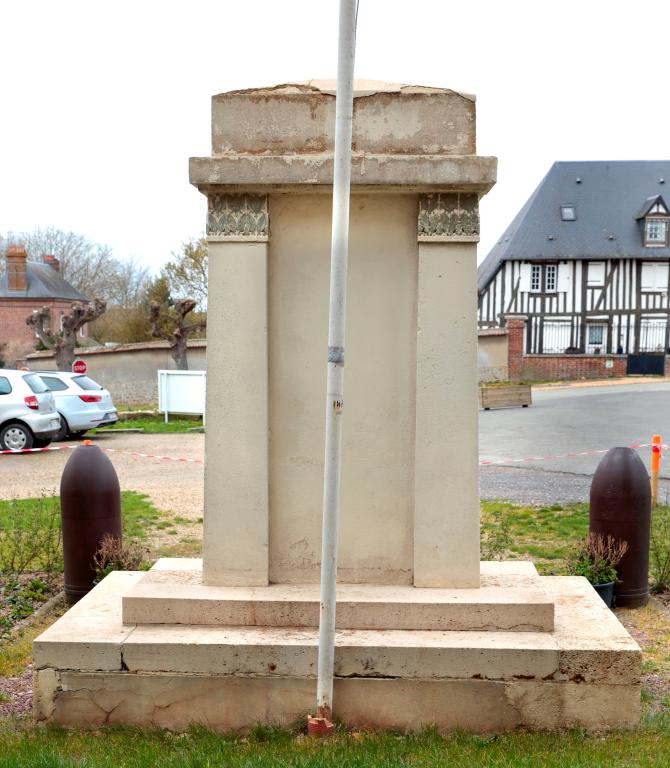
{"x": 43, "y": 283}
{"x": 608, "y": 198}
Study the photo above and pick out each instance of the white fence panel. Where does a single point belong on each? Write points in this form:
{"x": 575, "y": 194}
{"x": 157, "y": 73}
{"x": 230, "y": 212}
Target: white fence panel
{"x": 182, "y": 392}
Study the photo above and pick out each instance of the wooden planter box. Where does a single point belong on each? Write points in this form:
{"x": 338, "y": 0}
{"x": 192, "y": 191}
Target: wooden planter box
{"x": 505, "y": 396}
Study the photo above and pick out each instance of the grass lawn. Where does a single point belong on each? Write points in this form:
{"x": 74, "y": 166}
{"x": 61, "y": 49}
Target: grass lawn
{"x": 130, "y": 748}
{"x": 153, "y": 425}
{"x": 137, "y": 513}
{"x": 31, "y": 556}
{"x": 543, "y": 535}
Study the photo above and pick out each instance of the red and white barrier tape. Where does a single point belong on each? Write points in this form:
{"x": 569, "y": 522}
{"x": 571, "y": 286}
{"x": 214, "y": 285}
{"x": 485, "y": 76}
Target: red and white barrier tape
{"x": 136, "y": 454}
{"x": 489, "y": 462}
{"x": 186, "y": 460}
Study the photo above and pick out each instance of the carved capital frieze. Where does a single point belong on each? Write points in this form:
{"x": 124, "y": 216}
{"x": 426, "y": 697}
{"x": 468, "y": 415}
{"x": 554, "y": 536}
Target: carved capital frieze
{"x": 237, "y": 216}
{"x": 450, "y": 217}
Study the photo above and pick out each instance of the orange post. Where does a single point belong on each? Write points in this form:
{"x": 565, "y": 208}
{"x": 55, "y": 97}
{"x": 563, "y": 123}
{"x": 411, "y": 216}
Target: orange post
{"x": 655, "y": 467}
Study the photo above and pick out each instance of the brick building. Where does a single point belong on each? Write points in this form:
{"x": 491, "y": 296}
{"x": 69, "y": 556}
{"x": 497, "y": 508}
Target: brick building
{"x": 27, "y": 286}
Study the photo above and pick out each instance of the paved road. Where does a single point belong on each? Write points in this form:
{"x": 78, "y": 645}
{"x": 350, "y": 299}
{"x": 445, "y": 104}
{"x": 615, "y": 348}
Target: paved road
{"x": 563, "y": 421}
{"x": 560, "y": 421}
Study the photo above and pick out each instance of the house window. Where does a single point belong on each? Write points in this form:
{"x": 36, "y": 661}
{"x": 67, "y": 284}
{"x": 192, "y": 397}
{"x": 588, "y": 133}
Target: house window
{"x": 595, "y": 334}
{"x": 568, "y": 213}
{"x": 596, "y": 274}
{"x": 656, "y": 232}
{"x": 550, "y": 278}
{"x": 654, "y": 276}
{"x": 536, "y": 278}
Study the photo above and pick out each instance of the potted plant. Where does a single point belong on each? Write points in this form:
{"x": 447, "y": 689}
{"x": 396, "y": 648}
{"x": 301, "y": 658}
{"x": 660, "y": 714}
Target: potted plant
{"x": 596, "y": 558}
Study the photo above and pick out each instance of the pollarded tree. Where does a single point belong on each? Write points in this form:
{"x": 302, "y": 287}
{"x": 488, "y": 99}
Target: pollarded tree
{"x": 63, "y": 343}
{"x": 186, "y": 273}
{"x": 171, "y": 324}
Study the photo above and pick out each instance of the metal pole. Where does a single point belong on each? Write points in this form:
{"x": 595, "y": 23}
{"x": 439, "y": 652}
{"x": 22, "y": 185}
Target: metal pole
{"x": 336, "y": 326}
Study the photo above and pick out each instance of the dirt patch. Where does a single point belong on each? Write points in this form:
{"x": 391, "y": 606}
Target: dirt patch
{"x": 16, "y": 694}
{"x": 650, "y": 627}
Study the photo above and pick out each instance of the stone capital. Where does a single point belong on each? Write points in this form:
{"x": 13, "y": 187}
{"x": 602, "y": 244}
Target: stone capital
{"x": 448, "y": 217}
{"x": 237, "y": 217}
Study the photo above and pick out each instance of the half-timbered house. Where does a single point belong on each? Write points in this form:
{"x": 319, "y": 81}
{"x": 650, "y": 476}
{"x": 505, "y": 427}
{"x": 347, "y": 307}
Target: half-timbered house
{"x": 586, "y": 261}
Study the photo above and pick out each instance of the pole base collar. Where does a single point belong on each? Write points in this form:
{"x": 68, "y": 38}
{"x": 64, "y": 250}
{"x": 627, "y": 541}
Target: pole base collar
{"x": 321, "y": 725}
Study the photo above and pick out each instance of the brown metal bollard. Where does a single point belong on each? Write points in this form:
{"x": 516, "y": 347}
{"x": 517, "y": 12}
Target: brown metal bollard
{"x": 620, "y": 506}
{"x": 90, "y": 502}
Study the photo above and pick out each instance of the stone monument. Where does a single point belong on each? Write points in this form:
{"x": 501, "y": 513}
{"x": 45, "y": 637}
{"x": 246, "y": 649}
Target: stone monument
{"x": 426, "y": 633}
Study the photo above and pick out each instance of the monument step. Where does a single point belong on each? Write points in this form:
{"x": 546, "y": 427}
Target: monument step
{"x": 511, "y": 598}
{"x": 588, "y": 645}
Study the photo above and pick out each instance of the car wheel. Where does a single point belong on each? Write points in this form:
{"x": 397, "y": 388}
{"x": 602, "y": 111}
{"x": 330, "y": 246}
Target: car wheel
{"x": 41, "y": 442}
{"x": 64, "y": 430}
{"x": 16, "y": 437}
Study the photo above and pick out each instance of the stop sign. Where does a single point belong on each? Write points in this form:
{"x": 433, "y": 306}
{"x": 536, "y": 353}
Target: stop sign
{"x": 79, "y": 366}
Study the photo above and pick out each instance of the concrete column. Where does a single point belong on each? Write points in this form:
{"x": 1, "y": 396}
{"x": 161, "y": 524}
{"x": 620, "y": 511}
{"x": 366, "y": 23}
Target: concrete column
{"x": 236, "y": 441}
{"x": 446, "y": 494}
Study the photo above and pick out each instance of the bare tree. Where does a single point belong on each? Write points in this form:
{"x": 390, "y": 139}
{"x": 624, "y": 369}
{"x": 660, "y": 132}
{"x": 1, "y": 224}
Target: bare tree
{"x": 170, "y": 324}
{"x": 86, "y": 265}
{"x": 64, "y": 342}
{"x": 187, "y": 271}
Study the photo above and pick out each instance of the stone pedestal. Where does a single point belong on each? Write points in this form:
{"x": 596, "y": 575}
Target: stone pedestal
{"x": 425, "y": 633}
{"x": 410, "y": 505}
{"x": 92, "y": 669}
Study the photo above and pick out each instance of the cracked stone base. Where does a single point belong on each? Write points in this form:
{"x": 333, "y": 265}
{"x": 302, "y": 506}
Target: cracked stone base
{"x": 90, "y": 670}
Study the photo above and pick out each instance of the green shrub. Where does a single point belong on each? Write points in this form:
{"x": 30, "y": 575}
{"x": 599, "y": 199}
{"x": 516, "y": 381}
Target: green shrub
{"x": 30, "y": 537}
{"x": 659, "y": 549}
{"x": 496, "y": 537}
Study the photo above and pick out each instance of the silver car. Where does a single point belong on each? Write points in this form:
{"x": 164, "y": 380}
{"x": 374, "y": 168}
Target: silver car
{"x": 81, "y": 402}
{"x": 28, "y": 415}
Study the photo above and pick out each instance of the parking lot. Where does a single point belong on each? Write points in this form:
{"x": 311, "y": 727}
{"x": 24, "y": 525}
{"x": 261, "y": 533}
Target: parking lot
{"x": 560, "y": 422}
{"x": 172, "y": 486}
{"x": 534, "y": 448}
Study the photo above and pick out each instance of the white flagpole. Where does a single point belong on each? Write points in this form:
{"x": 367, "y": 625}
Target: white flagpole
{"x": 336, "y": 327}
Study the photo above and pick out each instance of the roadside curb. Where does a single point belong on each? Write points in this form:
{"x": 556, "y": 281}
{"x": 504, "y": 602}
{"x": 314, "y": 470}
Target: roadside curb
{"x": 627, "y": 381}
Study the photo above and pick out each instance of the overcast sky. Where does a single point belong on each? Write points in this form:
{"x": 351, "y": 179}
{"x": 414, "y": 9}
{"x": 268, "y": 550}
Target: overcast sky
{"x": 103, "y": 102}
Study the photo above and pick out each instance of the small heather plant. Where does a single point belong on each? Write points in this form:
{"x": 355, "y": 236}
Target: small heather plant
{"x": 114, "y": 555}
{"x": 596, "y": 558}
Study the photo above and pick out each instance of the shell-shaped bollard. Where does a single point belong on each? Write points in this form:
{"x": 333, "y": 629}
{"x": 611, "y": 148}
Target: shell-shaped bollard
{"x": 90, "y": 499}
{"x": 620, "y": 506}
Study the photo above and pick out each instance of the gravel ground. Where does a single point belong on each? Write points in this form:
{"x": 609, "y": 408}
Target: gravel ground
{"x": 19, "y": 694}
{"x": 172, "y": 486}
{"x": 530, "y": 485}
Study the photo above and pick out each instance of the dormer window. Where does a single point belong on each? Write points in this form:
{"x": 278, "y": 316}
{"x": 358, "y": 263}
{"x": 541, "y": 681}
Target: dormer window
{"x": 656, "y": 231}
{"x": 654, "y": 218}
{"x": 568, "y": 213}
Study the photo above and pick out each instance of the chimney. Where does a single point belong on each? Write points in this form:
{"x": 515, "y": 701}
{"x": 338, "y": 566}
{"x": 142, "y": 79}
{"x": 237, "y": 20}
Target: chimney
{"x": 52, "y": 261}
{"x": 16, "y": 268}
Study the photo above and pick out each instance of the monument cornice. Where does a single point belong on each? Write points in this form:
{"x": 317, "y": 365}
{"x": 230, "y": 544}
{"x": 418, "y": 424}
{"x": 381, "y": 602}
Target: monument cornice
{"x": 293, "y": 172}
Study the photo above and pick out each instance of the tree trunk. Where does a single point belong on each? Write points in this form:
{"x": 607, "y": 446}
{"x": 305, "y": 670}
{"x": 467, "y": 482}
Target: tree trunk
{"x": 179, "y": 353}
{"x": 65, "y": 347}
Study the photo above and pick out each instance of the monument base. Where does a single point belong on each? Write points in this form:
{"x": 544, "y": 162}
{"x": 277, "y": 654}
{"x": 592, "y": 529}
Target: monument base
{"x": 92, "y": 670}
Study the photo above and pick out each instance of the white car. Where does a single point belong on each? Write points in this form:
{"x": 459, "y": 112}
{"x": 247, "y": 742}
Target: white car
{"x": 81, "y": 402}
{"x": 28, "y": 416}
